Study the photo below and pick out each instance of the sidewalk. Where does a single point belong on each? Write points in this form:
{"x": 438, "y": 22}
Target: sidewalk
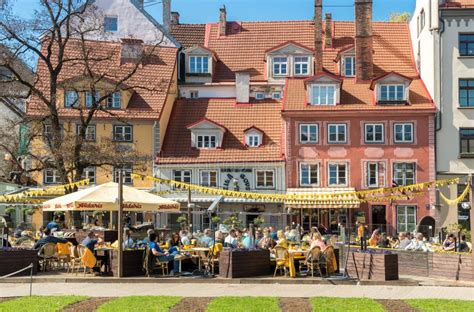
{"x": 217, "y": 290}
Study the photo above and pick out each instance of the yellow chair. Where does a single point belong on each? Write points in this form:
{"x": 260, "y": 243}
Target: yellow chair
{"x": 63, "y": 253}
{"x": 75, "y": 258}
{"x": 88, "y": 260}
{"x": 213, "y": 258}
{"x": 282, "y": 258}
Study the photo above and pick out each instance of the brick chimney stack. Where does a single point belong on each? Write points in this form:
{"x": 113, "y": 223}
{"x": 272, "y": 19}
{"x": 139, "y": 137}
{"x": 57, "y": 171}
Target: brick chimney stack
{"x": 223, "y": 21}
{"x": 318, "y": 36}
{"x": 174, "y": 18}
{"x": 328, "y": 32}
{"x": 363, "y": 40}
{"x": 167, "y": 14}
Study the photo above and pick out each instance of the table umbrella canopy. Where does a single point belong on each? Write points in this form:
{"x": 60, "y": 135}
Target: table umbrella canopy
{"x": 104, "y": 197}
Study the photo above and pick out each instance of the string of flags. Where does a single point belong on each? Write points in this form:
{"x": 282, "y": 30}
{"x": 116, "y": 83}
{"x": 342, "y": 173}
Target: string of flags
{"x": 459, "y": 199}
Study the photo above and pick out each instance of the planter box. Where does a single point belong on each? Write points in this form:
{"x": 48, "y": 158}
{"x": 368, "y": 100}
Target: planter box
{"x": 132, "y": 263}
{"x": 14, "y": 260}
{"x": 244, "y": 263}
{"x": 370, "y": 266}
{"x": 451, "y": 266}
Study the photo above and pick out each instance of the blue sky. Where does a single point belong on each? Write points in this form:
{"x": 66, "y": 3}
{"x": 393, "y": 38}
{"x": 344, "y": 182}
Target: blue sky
{"x": 203, "y": 11}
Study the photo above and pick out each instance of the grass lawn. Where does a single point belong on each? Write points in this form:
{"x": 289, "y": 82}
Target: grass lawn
{"x": 427, "y": 305}
{"x": 40, "y": 304}
{"x": 143, "y": 304}
{"x": 247, "y": 304}
{"x": 345, "y": 304}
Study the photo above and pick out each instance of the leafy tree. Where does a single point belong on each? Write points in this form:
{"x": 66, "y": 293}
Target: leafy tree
{"x": 403, "y": 17}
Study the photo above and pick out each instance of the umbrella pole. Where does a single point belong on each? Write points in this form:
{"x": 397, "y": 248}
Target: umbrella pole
{"x": 120, "y": 225}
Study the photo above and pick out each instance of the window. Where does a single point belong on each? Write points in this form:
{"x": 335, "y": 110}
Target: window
{"x": 123, "y": 133}
{"x": 47, "y": 131}
{"x": 265, "y": 179}
{"x": 126, "y": 174}
{"x": 90, "y": 132}
{"x": 206, "y": 141}
{"x": 90, "y": 100}
{"x": 259, "y": 95}
{"x": 337, "y": 174}
{"x": 404, "y": 173}
{"x": 89, "y": 173}
{"x": 466, "y": 137}
{"x": 309, "y": 133}
{"x": 113, "y": 100}
{"x": 280, "y": 66}
{"x": 374, "y": 133}
{"x": 194, "y": 94}
{"x": 71, "y": 98}
{"x": 309, "y": 174}
{"x": 466, "y": 44}
{"x": 199, "y": 64}
{"x": 392, "y": 93}
{"x": 372, "y": 174}
{"x": 253, "y": 140}
{"x": 349, "y": 66}
{"x": 276, "y": 95}
{"x": 403, "y": 132}
{"x": 323, "y": 95}
{"x": 466, "y": 92}
{"x": 422, "y": 20}
{"x": 301, "y": 65}
{"x": 182, "y": 176}
{"x": 209, "y": 178}
{"x": 111, "y": 23}
{"x": 51, "y": 176}
{"x": 406, "y": 218}
{"x": 337, "y": 133}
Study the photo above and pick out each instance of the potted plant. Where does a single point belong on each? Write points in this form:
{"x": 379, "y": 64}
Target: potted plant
{"x": 10, "y": 210}
{"x": 182, "y": 220}
{"x": 258, "y": 221}
{"x": 215, "y": 219}
{"x": 233, "y": 221}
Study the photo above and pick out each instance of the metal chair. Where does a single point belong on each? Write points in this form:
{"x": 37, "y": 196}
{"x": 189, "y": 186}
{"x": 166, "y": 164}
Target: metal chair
{"x": 282, "y": 257}
{"x": 75, "y": 259}
{"x": 47, "y": 255}
{"x": 313, "y": 261}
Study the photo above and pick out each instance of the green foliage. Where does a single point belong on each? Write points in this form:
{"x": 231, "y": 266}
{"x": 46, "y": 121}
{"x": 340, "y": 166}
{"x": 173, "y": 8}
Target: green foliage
{"x": 258, "y": 221}
{"x": 403, "y": 17}
{"x": 215, "y": 219}
{"x": 456, "y": 227}
{"x": 96, "y": 213}
{"x": 432, "y": 305}
{"x": 39, "y": 304}
{"x": 233, "y": 221}
{"x": 345, "y": 304}
{"x": 182, "y": 218}
{"x": 140, "y": 303}
{"x": 10, "y": 210}
{"x": 247, "y": 304}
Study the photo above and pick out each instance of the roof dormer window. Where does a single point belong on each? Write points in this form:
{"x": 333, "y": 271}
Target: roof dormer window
{"x": 391, "y": 88}
{"x": 199, "y": 64}
{"x": 280, "y": 66}
{"x": 206, "y": 134}
{"x": 301, "y": 64}
{"x": 323, "y": 94}
{"x": 349, "y": 66}
{"x": 392, "y": 93}
{"x": 253, "y": 137}
{"x": 206, "y": 142}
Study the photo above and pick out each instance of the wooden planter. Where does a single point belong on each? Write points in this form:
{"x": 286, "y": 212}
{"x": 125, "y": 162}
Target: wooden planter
{"x": 244, "y": 263}
{"x": 14, "y": 260}
{"x": 132, "y": 263}
{"x": 371, "y": 266}
{"x": 451, "y": 266}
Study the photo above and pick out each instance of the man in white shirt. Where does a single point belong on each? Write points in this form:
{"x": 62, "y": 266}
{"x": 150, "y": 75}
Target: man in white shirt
{"x": 231, "y": 240}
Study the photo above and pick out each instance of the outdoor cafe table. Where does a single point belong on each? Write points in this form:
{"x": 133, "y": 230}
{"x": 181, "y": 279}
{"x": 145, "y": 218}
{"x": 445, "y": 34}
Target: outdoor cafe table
{"x": 197, "y": 252}
{"x": 107, "y": 256}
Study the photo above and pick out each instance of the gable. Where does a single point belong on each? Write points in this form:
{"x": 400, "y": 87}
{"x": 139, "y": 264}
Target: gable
{"x": 289, "y": 48}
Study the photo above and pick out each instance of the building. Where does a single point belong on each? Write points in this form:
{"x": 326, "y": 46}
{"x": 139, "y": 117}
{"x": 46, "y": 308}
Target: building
{"x": 443, "y": 41}
{"x": 354, "y": 111}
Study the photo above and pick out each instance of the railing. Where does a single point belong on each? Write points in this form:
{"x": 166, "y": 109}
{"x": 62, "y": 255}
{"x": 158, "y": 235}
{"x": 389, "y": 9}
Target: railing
{"x": 30, "y": 267}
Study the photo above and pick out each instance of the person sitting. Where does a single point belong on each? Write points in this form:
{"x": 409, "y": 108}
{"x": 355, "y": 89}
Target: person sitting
{"x": 162, "y": 256}
{"x": 219, "y": 237}
{"x": 282, "y": 239}
{"x": 449, "y": 243}
{"x": 249, "y": 240}
{"x": 258, "y": 236}
{"x": 418, "y": 244}
{"x": 174, "y": 243}
{"x": 463, "y": 245}
{"x": 267, "y": 241}
{"x": 54, "y": 224}
{"x": 146, "y": 240}
{"x": 375, "y": 238}
{"x": 48, "y": 238}
{"x": 206, "y": 240}
{"x": 239, "y": 236}
{"x": 287, "y": 231}
{"x": 91, "y": 240}
{"x": 26, "y": 237}
{"x": 317, "y": 241}
{"x": 231, "y": 239}
{"x": 404, "y": 240}
{"x": 273, "y": 233}
{"x": 384, "y": 242}
{"x": 127, "y": 239}
{"x": 184, "y": 236}
{"x": 293, "y": 236}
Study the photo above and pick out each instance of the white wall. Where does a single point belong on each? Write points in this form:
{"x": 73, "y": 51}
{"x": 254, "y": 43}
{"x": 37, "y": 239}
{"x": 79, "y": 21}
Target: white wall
{"x": 6, "y": 118}
{"x": 208, "y": 91}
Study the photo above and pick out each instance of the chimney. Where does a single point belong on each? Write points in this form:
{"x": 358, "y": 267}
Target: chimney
{"x": 131, "y": 51}
{"x": 363, "y": 40}
{"x": 328, "y": 31}
{"x": 174, "y": 18}
{"x": 242, "y": 87}
{"x": 223, "y": 21}
{"x": 318, "y": 35}
{"x": 167, "y": 14}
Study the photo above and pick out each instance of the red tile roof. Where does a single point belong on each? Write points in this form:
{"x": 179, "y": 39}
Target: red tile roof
{"x": 458, "y": 4}
{"x": 236, "y": 118}
{"x": 189, "y": 35}
{"x": 150, "y": 82}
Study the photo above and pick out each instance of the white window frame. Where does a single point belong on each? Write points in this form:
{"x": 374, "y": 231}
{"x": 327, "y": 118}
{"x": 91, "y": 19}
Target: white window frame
{"x": 374, "y": 126}
{"x": 253, "y": 140}
{"x": 319, "y": 100}
{"x": 127, "y": 174}
{"x": 308, "y": 128}
{"x": 89, "y": 137}
{"x": 404, "y": 132}
{"x": 368, "y": 174}
{"x": 202, "y": 178}
{"x": 404, "y": 171}
{"x": 114, "y": 100}
{"x": 260, "y": 96}
{"x": 193, "y": 94}
{"x": 89, "y": 99}
{"x": 388, "y": 86}
{"x": 185, "y": 176}
{"x": 196, "y": 67}
{"x": 405, "y": 226}
{"x": 352, "y": 69}
{"x": 201, "y": 143}
{"x": 298, "y": 61}
{"x": 309, "y": 167}
{"x": 278, "y": 63}
{"x": 265, "y": 172}
{"x": 276, "y": 95}
{"x": 105, "y": 23}
{"x": 120, "y": 135}
{"x": 337, "y": 141}
{"x": 338, "y": 178}
{"x": 71, "y": 95}
{"x": 90, "y": 173}
{"x": 50, "y": 176}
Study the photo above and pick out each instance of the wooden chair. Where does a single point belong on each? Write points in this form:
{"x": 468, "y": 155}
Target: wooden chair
{"x": 282, "y": 257}
{"x": 47, "y": 255}
{"x": 163, "y": 266}
{"x": 213, "y": 258}
{"x": 313, "y": 261}
{"x": 75, "y": 259}
{"x": 331, "y": 263}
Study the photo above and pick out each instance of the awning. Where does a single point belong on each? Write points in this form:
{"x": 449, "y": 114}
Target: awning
{"x": 346, "y": 201}
{"x": 177, "y": 197}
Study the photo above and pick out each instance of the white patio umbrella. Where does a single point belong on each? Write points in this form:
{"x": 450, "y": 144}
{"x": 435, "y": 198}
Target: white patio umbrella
{"x": 104, "y": 197}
